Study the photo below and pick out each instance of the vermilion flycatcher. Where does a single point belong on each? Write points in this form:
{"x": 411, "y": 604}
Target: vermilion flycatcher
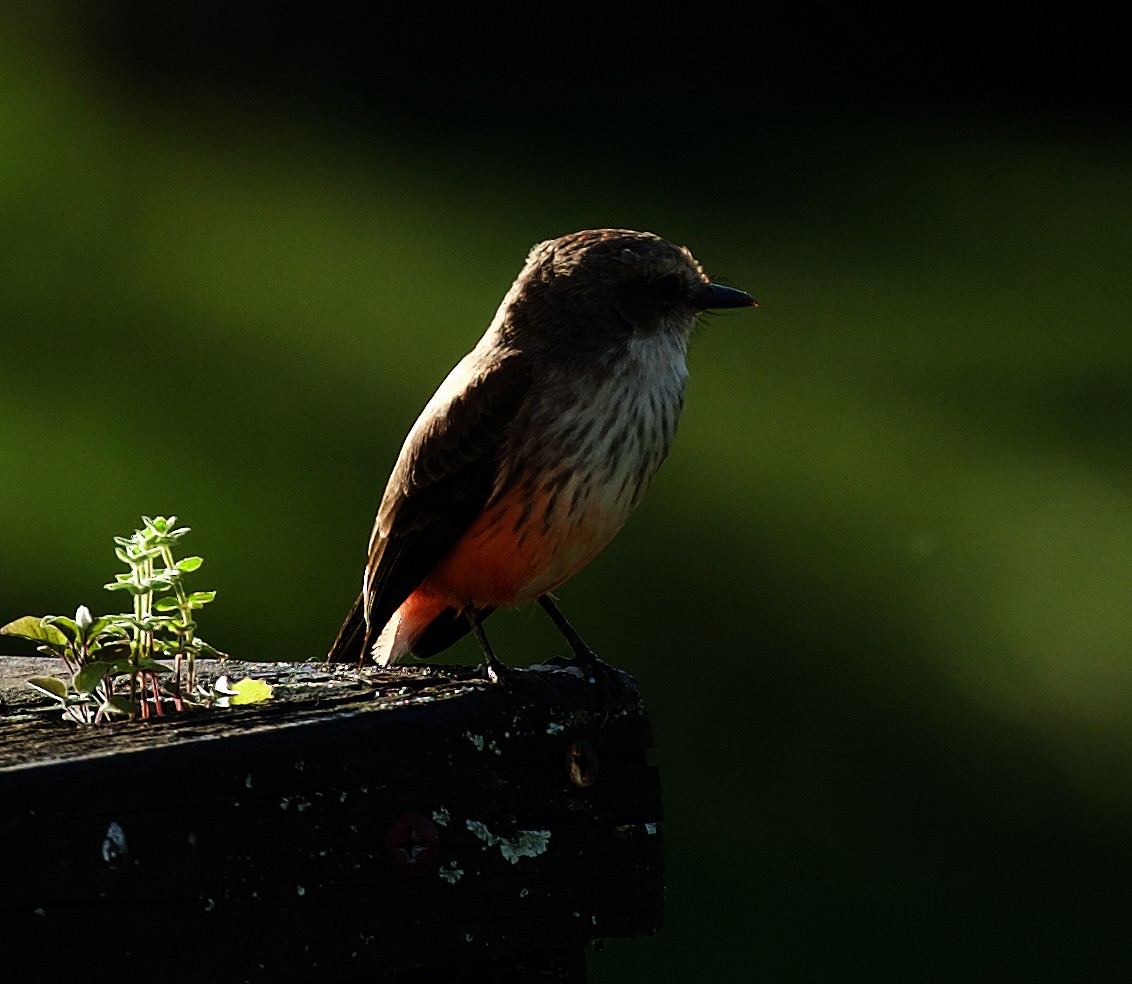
{"x": 537, "y": 447}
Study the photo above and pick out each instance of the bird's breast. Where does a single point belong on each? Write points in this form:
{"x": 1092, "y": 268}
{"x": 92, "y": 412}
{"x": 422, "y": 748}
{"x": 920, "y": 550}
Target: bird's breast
{"x": 577, "y": 463}
{"x": 599, "y": 444}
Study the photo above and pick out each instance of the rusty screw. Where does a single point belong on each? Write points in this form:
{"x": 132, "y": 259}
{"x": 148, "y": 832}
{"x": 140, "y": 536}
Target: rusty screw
{"x": 581, "y": 763}
{"x": 412, "y": 844}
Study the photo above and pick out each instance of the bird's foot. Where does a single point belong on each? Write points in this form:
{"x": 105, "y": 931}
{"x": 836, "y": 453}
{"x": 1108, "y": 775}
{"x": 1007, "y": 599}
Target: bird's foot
{"x": 604, "y": 677}
{"x": 494, "y": 671}
{"x": 584, "y": 660}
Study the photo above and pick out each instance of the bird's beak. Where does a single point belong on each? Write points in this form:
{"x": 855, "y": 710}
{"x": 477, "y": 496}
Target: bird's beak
{"x": 713, "y": 296}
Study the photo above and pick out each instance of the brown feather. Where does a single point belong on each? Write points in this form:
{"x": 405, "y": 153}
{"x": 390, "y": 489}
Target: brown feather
{"x": 446, "y": 472}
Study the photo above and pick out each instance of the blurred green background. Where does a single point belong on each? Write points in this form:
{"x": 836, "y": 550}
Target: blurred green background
{"x": 880, "y": 597}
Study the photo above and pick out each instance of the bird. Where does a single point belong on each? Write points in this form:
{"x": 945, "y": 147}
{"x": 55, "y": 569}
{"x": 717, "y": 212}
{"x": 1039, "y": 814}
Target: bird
{"x": 537, "y": 447}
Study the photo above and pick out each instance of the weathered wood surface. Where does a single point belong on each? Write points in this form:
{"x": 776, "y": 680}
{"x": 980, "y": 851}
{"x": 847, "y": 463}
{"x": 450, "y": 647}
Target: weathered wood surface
{"x": 412, "y": 824}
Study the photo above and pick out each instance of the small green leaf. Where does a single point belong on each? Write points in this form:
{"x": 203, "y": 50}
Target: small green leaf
{"x": 70, "y": 626}
{"x": 133, "y": 621}
{"x": 190, "y": 563}
{"x": 52, "y": 686}
{"x": 30, "y": 627}
{"x": 204, "y": 648}
{"x": 120, "y": 623}
{"x": 122, "y": 705}
{"x": 198, "y": 599}
{"x": 166, "y": 604}
{"x": 102, "y": 624}
{"x": 249, "y": 691}
{"x": 124, "y": 585}
{"x": 90, "y": 676}
{"x": 112, "y": 652}
{"x": 178, "y": 627}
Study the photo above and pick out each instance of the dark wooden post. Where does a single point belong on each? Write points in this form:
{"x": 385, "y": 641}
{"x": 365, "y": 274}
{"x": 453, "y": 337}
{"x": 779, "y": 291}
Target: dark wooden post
{"x": 417, "y": 824}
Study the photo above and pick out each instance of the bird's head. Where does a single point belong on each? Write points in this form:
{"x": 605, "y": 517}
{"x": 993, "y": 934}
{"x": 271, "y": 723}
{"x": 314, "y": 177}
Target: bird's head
{"x": 600, "y": 287}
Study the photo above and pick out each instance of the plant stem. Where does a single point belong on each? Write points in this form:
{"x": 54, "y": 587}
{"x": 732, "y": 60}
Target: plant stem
{"x": 185, "y": 633}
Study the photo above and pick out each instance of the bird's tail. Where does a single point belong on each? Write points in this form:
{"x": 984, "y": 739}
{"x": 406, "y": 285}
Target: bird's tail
{"x": 351, "y": 644}
{"x": 356, "y": 643}
{"x": 423, "y": 631}
{"x": 447, "y": 628}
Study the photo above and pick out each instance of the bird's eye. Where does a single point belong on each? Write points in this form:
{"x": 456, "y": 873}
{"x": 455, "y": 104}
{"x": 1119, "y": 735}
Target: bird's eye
{"x": 668, "y": 288}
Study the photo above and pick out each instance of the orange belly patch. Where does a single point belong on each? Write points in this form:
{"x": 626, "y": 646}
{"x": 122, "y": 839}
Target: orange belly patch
{"x": 507, "y": 556}
{"x": 512, "y": 553}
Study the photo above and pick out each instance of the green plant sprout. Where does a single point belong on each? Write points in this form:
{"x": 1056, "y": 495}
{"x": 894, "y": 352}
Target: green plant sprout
{"x": 101, "y": 652}
{"x": 172, "y": 635}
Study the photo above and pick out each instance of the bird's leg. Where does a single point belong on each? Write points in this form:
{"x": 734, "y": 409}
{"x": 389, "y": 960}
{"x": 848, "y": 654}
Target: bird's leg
{"x": 494, "y": 670}
{"x": 582, "y": 653}
{"x": 608, "y": 680}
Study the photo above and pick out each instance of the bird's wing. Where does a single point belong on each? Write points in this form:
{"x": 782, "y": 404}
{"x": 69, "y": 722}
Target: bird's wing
{"x": 445, "y": 474}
